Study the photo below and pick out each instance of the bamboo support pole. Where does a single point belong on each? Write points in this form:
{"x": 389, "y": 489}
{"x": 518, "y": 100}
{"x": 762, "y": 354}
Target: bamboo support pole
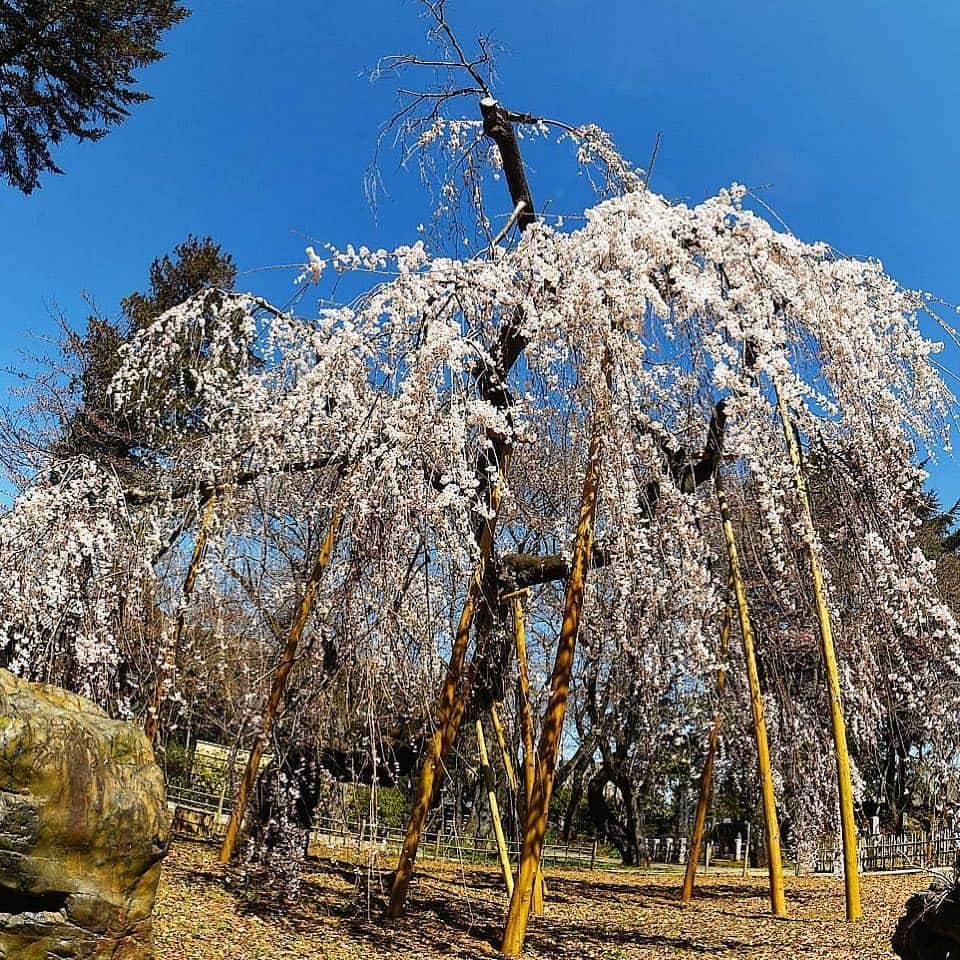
{"x": 451, "y": 704}
{"x": 152, "y": 724}
{"x": 848, "y": 826}
{"x": 706, "y": 778}
{"x": 488, "y": 781}
{"x": 535, "y": 820}
{"x": 504, "y": 748}
{"x": 771, "y": 828}
{"x": 278, "y": 686}
{"x": 526, "y": 735}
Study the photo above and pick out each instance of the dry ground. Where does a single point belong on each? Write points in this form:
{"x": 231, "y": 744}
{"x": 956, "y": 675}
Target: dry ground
{"x": 205, "y": 912}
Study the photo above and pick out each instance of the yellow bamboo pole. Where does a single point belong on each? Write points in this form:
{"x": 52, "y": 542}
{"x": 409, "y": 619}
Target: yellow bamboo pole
{"x": 848, "y": 826}
{"x": 494, "y": 809}
{"x": 152, "y": 724}
{"x": 706, "y": 778}
{"x": 530, "y": 772}
{"x": 771, "y": 827}
{"x": 504, "y": 748}
{"x": 451, "y": 704}
{"x": 530, "y": 780}
{"x": 278, "y": 686}
{"x": 523, "y": 706}
{"x": 535, "y": 821}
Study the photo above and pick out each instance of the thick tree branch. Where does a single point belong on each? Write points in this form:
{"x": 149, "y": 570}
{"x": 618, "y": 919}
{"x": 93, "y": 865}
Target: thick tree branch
{"x": 688, "y": 474}
{"x": 498, "y": 127}
{"x": 205, "y": 489}
{"x": 521, "y": 570}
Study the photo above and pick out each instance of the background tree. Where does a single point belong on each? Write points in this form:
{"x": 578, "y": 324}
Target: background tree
{"x": 67, "y": 70}
{"x": 71, "y": 428}
{"x": 94, "y": 427}
{"x": 66, "y": 409}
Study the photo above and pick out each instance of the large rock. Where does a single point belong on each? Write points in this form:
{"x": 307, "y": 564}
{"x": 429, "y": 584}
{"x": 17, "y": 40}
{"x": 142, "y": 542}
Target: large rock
{"x": 83, "y": 829}
{"x": 930, "y": 927}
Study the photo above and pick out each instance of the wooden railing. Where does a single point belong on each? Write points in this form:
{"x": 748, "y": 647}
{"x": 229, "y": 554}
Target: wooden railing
{"x": 203, "y": 816}
{"x": 905, "y": 851}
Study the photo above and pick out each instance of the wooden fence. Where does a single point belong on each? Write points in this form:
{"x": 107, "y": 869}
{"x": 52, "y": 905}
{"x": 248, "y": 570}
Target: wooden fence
{"x": 198, "y": 817}
{"x": 435, "y": 845}
{"x": 203, "y": 815}
{"x": 905, "y": 851}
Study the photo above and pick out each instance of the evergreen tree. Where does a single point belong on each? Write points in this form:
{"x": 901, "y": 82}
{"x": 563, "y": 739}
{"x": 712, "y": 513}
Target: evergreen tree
{"x": 93, "y": 427}
{"x": 67, "y": 70}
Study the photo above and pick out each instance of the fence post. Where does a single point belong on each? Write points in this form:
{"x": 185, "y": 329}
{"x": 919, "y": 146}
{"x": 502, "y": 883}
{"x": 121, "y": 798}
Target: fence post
{"x": 746, "y": 852}
{"x": 593, "y": 854}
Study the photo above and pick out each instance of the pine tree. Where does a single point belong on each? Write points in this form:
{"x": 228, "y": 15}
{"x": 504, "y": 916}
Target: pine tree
{"x": 95, "y": 428}
{"x": 67, "y": 70}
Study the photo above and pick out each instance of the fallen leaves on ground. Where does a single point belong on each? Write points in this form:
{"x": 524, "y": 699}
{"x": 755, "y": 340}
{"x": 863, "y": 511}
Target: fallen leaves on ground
{"x": 209, "y": 912}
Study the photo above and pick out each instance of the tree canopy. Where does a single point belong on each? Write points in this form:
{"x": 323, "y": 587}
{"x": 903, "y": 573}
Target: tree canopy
{"x": 67, "y": 69}
{"x": 625, "y": 426}
{"x": 91, "y": 424}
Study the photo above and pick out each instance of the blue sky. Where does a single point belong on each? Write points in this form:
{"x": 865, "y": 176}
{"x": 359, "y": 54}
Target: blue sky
{"x": 262, "y": 127}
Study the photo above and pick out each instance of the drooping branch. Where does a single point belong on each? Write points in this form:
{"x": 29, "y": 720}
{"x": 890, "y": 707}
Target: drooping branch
{"x": 277, "y": 688}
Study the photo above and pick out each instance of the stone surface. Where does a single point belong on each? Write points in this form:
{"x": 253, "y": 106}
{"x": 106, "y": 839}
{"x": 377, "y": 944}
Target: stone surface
{"x": 84, "y": 827}
{"x": 930, "y": 927}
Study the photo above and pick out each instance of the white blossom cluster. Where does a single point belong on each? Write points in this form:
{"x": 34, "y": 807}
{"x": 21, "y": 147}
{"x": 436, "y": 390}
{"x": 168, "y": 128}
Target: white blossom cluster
{"x": 74, "y": 568}
{"x": 637, "y": 324}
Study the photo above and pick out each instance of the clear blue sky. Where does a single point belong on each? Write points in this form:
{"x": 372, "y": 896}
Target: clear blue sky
{"x": 262, "y": 127}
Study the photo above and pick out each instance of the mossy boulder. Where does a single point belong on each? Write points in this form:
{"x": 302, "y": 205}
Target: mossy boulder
{"x": 84, "y": 827}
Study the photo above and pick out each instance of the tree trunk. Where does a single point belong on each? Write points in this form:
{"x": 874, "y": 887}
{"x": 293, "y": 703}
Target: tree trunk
{"x": 634, "y": 822}
{"x": 491, "y": 465}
